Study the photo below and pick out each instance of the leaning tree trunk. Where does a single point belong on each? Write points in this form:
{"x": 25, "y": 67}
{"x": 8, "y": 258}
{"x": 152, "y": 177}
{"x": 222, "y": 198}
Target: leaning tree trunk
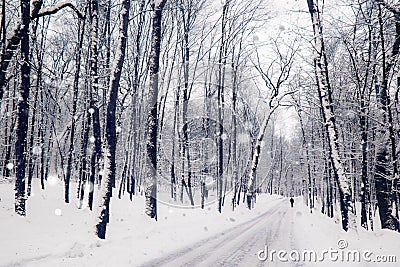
{"x": 111, "y": 134}
{"x": 256, "y": 158}
{"x": 324, "y": 91}
{"x": 152, "y": 120}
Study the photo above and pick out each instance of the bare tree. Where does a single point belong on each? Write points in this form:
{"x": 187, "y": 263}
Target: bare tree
{"x": 152, "y": 121}
{"x": 111, "y": 134}
{"x": 276, "y": 95}
{"x": 325, "y": 95}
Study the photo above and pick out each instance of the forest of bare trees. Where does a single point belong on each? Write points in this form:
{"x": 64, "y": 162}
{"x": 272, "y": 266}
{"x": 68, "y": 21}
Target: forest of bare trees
{"x": 195, "y": 103}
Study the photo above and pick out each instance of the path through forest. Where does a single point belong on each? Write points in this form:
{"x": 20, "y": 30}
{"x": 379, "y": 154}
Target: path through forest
{"x": 181, "y": 236}
{"x": 239, "y": 246}
{"x": 301, "y": 237}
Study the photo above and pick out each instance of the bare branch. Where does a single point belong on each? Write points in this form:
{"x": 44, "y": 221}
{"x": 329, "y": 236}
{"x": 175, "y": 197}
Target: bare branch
{"x": 395, "y": 10}
{"x": 57, "y": 7}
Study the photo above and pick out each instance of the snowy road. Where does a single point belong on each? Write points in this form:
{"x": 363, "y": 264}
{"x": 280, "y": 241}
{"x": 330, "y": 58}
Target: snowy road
{"x": 239, "y": 246}
{"x": 181, "y": 237}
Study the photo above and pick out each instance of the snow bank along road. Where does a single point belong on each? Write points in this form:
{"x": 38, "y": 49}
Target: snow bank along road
{"x": 240, "y": 245}
{"x": 181, "y": 237}
{"x": 307, "y": 239}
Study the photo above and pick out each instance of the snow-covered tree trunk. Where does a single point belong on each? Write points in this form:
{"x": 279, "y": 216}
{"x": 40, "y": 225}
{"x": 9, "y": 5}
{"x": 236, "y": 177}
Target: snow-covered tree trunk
{"x": 324, "y": 91}
{"x": 234, "y": 136}
{"x": 3, "y": 27}
{"x": 386, "y": 171}
{"x": 285, "y": 62}
{"x": 111, "y": 134}
{"x": 256, "y": 158}
{"x": 23, "y": 110}
{"x": 97, "y": 155}
{"x": 152, "y": 120}
{"x": 14, "y": 40}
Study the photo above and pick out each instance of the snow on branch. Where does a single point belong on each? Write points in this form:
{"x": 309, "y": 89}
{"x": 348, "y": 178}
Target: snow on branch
{"x": 395, "y": 10}
{"x": 57, "y": 7}
{"x": 159, "y": 4}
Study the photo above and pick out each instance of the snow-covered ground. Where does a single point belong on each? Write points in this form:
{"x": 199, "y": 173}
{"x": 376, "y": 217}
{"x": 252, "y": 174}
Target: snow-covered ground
{"x": 57, "y": 234}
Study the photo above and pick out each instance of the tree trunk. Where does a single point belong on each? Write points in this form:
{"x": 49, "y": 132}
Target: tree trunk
{"x": 23, "y": 111}
{"x": 81, "y": 29}
{"x": 324, "y": 91}
{"x": 365, "y": 198}
{"x": 234, "y": 133}
{"x": 221, "y": 85}
{"x": 256, "y": 158}
{"x": 19, "y": 32}
{"x": 94, "y": 90}
{"x": 185, "y": 146}
{"x": 111, "y": 134}
{"x": 386, "y": 147}
{"x": 152, "y": 120}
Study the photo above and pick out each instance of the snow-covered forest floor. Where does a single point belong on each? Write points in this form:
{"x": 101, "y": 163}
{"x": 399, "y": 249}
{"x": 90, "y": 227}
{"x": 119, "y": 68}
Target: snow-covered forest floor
{"x": 189, "y": 103}
{"x": 57, "y": 234}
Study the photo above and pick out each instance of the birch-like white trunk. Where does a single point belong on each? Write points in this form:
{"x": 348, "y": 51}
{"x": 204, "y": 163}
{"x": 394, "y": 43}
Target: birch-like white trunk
{"x": 324, "y": 91}
{"x": 256, "y": 158}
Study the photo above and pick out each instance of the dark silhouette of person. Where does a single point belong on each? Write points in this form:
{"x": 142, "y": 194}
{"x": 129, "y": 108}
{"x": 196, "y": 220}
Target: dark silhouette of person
{"x": 291, "y": 202}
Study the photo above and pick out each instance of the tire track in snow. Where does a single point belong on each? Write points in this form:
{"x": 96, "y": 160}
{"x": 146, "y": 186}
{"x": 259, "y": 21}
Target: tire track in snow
{"x": 234, "y": 247}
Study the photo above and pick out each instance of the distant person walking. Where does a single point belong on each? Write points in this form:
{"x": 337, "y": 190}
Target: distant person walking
{"x": 291, "y": 202}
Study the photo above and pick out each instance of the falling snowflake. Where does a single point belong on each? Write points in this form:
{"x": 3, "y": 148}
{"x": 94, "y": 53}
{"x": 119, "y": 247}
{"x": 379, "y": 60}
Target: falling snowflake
{"x": 58, "y": 212}
{"x": 118, "y": 129}
{"x": 10, "y": 166}
{"x": 91, "y": 110}
{"x": 92, "y": 139}
{"x": 36, "y": 150}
